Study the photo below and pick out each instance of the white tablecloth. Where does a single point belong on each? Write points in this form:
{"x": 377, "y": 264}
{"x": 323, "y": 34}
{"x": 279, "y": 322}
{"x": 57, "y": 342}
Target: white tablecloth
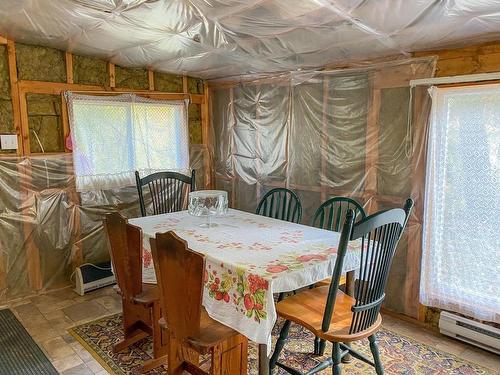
{"x": 248, "y": 259}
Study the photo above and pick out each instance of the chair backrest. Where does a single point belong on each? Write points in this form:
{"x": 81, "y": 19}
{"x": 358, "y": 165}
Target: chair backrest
{"x": 282, "y": 204}
{"x": 331, "y": 214}
{"x": 168, "y": 191}
{"x": 125, "y": 246}
{"x": 179, "y": 272}
{"x": 379, "y": 234}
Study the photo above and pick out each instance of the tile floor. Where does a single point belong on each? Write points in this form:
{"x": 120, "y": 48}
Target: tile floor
{"x": 47, "y": 318}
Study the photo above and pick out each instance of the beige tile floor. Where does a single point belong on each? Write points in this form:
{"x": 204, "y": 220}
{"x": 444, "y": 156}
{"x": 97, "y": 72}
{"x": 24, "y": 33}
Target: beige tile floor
{"x": 47, "y": 318}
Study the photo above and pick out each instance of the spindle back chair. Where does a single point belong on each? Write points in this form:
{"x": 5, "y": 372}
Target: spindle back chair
{"x": 282, "y": 204}
{"x": 168, "y": 190}
{"x": 345, "y": 319}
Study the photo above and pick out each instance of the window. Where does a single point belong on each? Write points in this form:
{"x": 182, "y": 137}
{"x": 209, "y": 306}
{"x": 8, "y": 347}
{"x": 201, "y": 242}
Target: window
{"x": 115, "y": 136}
{"x": 461, "y": 241}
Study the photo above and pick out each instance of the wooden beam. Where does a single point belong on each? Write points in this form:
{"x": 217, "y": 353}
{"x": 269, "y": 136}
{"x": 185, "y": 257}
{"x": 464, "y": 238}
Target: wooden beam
{"x": 33, "y": 263}
{"x": 414, "y": 228}
{"x": 14, "y": 93}
{"x": 25, "y": 130}
{"x": 69, "y": 67}
{"x": 53, "y": 88}
{"x": 371, "y": 146}
{"x": 231, "y": 136}
{"x": 151, "y": 79}
{"x": 185, "y": 87}
{"x": 111, "y": 72}
{"x": 205, "y": 135}
{"x": 324, "y": 140}
{"x": 258, "y": 148}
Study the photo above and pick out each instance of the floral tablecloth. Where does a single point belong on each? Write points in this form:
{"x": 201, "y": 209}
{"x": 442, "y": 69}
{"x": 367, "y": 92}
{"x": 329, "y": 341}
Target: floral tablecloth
{"x": 248, "y": 259}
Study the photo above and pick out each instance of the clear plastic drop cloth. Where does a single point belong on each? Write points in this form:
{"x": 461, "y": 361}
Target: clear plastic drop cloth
{"x": 358, "y": 132}
{"x": 221, "y": 38}
{"x": 47, "y": 227}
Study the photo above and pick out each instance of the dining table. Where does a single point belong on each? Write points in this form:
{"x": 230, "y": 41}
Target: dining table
{"x": 248, "y": 260}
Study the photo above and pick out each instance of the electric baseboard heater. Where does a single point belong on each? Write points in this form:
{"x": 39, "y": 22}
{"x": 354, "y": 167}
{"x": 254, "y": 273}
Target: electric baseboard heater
{"x": 470, "y": 331}
{"x": 90, "y": 277}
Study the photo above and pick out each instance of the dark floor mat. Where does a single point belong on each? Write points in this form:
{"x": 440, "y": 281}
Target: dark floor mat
{"x": 19, "y": 354}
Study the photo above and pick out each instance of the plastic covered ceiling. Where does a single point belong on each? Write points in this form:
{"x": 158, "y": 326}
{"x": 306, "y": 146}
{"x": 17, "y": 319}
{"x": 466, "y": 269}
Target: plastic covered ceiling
{"x": 221, "y": 38}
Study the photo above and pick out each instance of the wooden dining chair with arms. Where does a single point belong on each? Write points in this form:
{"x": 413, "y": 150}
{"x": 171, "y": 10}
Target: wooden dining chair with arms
{"x": 168, "y": 191}
{"x": 180, "y": 273}
{"x": 281, "y": 204}
{"x": 336, "y": 317}
{"x": 140, "y": 302}
{"x": 330, "y": 215}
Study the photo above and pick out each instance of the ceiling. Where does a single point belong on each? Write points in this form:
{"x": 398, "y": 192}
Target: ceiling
{"x": 221, "y": 38}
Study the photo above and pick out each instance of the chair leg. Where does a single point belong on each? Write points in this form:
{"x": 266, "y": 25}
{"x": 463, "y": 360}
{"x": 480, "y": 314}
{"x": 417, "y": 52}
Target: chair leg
{"x": 337, "y": 359}
{"x": 279, "y": 345}
{"x": 316, "y": 345}
{"x": 376, "y": 355}
{"x": 322, "y": 346}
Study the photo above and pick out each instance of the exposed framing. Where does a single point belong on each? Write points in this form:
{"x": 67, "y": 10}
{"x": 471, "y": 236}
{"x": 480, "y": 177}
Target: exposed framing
{"x": 379, "y": 80}
{"x": 19, "y": 91}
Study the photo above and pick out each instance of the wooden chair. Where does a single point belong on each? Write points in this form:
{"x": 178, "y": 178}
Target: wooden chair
{"x": 168, "y": 191}
{"x": 330, "y": 215}
{"x": 336, "y": 317}
{"x": 191, "y": 331}
{"x": 282, "y": 204}
{"x": 141, "y": 302}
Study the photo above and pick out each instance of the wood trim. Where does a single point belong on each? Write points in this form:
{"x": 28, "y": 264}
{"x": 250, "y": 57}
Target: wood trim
{"x": 69, "y": 67}
{"x": 151, "y": 80}
{"x": 14, "y": 93}
{"x": 65, "y": 121}
{"x": 111, "y": 72}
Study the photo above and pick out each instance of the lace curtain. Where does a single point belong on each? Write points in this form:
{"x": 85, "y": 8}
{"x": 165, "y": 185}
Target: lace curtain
{"x": 113, "y": 136}
{"x": 461, "y": 240}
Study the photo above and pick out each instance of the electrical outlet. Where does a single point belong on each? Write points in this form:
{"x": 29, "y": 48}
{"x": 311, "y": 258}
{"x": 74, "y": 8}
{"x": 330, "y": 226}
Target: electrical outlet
{"x": 8, "y": 142}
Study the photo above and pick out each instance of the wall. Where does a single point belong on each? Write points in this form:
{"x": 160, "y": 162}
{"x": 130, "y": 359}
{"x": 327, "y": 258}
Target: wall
{"x": 46, "y": 227}
{"x": 41, "y": 112}
{"x": 330, "y": 133}
{"x": 481, "y": 58}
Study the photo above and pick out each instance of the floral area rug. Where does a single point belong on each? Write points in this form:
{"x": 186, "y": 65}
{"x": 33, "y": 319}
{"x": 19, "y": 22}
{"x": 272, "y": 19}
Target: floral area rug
{"x": 400, "y": 355}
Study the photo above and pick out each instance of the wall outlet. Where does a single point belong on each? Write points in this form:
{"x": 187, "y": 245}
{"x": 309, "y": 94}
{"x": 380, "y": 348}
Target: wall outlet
{"x": 8, "y": 141}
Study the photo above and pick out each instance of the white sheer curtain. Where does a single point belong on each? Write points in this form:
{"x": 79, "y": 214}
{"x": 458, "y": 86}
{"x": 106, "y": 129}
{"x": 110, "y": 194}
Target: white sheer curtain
{"x": 113, "y": 136}
{"x": 461, "y": 237}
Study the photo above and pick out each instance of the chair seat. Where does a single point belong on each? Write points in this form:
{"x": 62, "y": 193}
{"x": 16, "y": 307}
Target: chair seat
{"x": 150, "y": 294}
{"x": 211, "y": 333}
{"x": 307, "y": 308}
{"x": 326, "y": 282}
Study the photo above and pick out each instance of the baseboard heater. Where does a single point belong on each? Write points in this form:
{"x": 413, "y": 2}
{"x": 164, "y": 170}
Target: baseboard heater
{"x": 90, "y": 277}
{"x": 470, "y": 331}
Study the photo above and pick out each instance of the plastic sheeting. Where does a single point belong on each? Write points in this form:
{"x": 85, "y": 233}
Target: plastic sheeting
{"x": 47, "y": 228}
{"x": 219, "y": 38}
{"x": 331, "y": 133}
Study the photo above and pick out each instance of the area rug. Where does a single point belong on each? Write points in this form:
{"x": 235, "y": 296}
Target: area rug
{"x": 400, "y": 355}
